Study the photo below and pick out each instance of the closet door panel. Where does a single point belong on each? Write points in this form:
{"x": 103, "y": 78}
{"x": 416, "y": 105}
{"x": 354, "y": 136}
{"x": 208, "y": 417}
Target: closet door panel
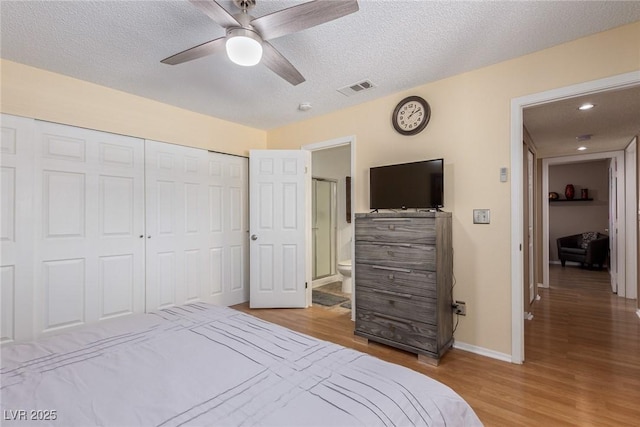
{"x": 228, "y": 226}
{"x": 176, "y": 260}
{"x": 197, "y": 226}
{"x": 89, "y": 196}
{"x": 117, "y": 285}
{"x": 16, "y": 228}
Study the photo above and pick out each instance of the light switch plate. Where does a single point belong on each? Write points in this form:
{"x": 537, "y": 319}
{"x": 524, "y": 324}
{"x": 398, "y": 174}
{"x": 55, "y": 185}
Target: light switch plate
{"x": 481, "y": 216}
{"x": 503, "y": 175}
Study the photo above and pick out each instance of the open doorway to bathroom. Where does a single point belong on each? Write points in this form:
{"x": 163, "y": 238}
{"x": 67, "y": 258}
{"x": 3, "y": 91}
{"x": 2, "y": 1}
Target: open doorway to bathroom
{"x": 331, "y": 233}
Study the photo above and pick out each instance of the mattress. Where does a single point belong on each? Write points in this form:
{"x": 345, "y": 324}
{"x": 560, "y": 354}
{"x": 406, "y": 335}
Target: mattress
{"x": 201, "y": 365}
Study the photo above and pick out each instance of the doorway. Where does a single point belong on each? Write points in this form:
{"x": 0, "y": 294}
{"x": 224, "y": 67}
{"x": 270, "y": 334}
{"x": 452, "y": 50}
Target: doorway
{"x": 333, "y": 161}
{"x": 623, "y": 81}
{"x": 601, "y": 213}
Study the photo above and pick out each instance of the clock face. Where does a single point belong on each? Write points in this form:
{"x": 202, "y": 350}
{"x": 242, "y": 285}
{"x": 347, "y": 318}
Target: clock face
{"x": 411, "y": 115}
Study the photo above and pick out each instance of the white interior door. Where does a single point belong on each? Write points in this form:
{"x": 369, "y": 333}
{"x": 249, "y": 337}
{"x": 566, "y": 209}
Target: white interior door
{"x": 280, "y": 226}
{"x": 89, "y": 207}
{"x": 16, "y": 229}
{"x": 530, "y": 229}
{"x": 631, "y": 218}
{"x": 613, "y": 224}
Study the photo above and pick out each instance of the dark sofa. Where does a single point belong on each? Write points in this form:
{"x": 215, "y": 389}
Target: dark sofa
{"x": 589, "y": 248}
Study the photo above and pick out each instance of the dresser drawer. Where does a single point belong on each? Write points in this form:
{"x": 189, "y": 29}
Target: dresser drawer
{"x": 404, "y": 255}
{"x": 409, "y": 230}
{"x": 404, "y": 280}
{"x": 415, "y": 334}
{"x": 398, "y": 304}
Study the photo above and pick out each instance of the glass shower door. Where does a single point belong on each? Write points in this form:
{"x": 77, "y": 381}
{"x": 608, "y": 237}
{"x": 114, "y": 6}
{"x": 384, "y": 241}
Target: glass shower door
{"x": 324, "y": 216}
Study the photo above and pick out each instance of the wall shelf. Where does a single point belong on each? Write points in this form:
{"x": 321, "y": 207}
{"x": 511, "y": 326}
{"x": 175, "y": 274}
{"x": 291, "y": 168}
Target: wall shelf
{"x": 569, "y": 200}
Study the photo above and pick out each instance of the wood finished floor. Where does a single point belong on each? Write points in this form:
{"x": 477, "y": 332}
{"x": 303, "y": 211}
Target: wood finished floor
{"x": 582, "y": 352}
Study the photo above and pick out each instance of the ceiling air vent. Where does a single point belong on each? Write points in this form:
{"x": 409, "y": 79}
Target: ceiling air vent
{"x": 352, "y": 89}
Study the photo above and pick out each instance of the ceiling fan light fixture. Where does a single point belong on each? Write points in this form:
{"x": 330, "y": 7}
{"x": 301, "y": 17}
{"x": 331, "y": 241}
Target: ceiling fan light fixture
{"x": 244, "y": 47}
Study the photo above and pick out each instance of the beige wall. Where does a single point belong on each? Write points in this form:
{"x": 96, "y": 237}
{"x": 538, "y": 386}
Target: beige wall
{"x": 31, "y": 92}
{"x": 568, "y": 218}
{"x": 470, "y": 129}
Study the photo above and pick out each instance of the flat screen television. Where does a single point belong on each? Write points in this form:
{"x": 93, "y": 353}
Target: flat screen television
{"x": 418, "y": 185}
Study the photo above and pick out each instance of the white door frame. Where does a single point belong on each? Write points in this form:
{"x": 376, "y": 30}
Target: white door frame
{"x": 517, "y": 218}
{"x": 332, "y": 143}
{"x": 618, "y": 240}
{"x": 631, "y": 226}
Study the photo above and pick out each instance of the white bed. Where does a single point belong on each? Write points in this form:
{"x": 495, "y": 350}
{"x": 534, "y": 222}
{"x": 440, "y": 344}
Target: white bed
{"x": 206, "y": 365}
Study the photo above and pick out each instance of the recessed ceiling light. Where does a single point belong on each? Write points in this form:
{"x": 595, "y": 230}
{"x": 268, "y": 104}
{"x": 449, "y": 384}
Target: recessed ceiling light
{"x": 582, "y": 148}
{"x": 586, "y": 106}
{"x": 304, "y": 106}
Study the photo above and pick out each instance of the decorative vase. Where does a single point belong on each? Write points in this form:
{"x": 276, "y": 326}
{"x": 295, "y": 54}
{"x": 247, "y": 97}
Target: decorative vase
{"x": 584, "y": 193}
{"x": 569, "y": 191}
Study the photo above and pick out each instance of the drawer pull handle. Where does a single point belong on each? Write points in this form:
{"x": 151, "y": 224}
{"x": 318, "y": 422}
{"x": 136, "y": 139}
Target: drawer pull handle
{"x": 382, "y": 267}
{"x": 395, "y": 294}
{"x": 393, "y": 318}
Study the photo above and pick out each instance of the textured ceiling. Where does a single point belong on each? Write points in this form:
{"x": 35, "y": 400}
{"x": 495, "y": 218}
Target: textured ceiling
{"x": 396, "y": 44}
{"x": 611, "y": 124}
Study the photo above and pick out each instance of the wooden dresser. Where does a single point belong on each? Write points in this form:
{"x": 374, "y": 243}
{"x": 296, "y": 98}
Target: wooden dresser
{"x": 403, "y": 271}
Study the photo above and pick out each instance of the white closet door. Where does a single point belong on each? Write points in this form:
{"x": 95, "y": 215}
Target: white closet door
{"x": 89, "y": 195}
{"x": 196, "y": 226}
{"x": 16, "y": 229}
{"x": 228, "y": 229}
{"x": 175, "y": 190}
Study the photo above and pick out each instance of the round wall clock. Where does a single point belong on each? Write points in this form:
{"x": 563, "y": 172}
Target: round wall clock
{"x": 411, "y": 115}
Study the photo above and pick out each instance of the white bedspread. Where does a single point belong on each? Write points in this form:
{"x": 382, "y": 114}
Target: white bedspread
{"x": 205, "y": 365}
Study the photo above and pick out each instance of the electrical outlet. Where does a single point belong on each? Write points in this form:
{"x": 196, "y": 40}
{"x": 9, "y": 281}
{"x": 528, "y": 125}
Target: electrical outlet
{"x": 481, "y": 216}
{"x": 460, "y": 307}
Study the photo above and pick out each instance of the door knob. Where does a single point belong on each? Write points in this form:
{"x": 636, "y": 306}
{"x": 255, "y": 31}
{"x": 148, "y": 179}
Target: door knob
{"x": 254, "y": 237}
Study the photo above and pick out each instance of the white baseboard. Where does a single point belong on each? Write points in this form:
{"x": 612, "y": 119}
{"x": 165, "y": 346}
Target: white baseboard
{"x": 326, "y": 280}
{"x": 482, "y": 351}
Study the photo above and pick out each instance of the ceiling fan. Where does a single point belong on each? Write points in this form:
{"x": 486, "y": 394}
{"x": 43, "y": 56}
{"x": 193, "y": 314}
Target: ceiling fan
{"x": 246, "y": 40}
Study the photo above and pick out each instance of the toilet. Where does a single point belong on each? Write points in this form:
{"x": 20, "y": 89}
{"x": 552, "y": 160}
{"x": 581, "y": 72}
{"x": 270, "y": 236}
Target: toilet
{"x": 344, "y": 268}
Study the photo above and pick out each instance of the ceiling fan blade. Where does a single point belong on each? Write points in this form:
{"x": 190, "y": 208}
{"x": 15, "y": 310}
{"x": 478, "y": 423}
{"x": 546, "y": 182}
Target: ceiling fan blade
{"x": 199, "y": 51}
{"x": 303, "y": 16}
{"x": 216, "y": 12}
{"x": 280, "y": 65}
